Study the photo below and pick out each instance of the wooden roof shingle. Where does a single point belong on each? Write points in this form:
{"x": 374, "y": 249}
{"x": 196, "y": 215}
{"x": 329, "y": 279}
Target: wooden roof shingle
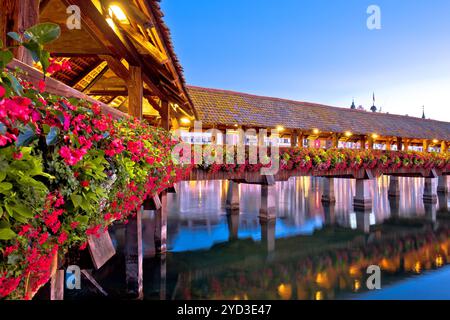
{"x": 222, "y": 107}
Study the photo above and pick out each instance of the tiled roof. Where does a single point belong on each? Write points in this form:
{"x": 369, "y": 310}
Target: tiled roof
{"x": 221, "y": 107}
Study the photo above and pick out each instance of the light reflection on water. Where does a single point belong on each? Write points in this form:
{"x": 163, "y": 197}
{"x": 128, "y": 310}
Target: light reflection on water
{"x": 198, "y": 218}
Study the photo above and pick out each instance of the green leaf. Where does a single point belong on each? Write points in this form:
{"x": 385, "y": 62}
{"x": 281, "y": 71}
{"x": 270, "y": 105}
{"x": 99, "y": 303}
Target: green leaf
{"x": 1, "y": 43}
{"x": 76, "y": 200}
{"x": 52, "y": 136}
{"x": 2, "y": 176}
{"x": 5, "y": 186}
{"x": 15, "y": 84}
{"x": 82, "y": 219}
{"x": 7, "y": 234}
{"x": 26, "y": 137}
{"x": 15, "y": 36}
{"x": 44, "y": 32}
{"x": 5, "y": 58}
{"x": 22, "y": 210}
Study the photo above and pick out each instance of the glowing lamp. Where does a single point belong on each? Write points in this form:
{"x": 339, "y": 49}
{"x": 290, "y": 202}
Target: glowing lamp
{"x": 116, "y": 11}
{"x": 280, "y": 128}
{"x": 348, "y": 134}
{"x": 316, "y": 131}
{"x": 185, "y": 121}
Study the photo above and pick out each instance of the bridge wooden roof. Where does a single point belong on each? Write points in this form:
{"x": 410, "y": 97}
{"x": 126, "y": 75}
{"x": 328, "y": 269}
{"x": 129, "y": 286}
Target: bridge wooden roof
{"x": 228, "y": 108}
{"x": 102, "y": 51}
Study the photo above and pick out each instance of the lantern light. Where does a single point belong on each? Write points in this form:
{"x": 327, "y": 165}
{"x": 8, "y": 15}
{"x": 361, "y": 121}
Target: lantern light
{"x": 115, "y": 10}
{"x": 316, "y": 131}
{"x": 348, "y": 134}
{"x": 280, "y": 128}
{"x": 185, "y": 121}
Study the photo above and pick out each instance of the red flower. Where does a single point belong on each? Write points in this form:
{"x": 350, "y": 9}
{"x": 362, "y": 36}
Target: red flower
{"x": 84, "y": 183}
{"x": 41, "y": 85}
{"x": 74, "y": 224}
{"x": 62, "y": 237}
{"x": 17, "y": 155}
{"x": 2, "y": 91}
{"x": 43, "y": 238}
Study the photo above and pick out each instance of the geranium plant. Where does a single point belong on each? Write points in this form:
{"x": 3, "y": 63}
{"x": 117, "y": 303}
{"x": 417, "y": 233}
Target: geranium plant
{"x": 67, "y": 171}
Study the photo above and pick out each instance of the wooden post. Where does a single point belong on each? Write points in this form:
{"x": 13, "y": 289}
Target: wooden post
{"x": 362, "y": 141}
{"x": 135, "y": 92}
{"x": 134, "y": 257}
{"x": 233, "y": 225}
{"x": 300, "y": 139}
{"x": 335, "y": 141}
{"x": 444, "y": 147}
{"x": 268, "y": 234}
{"x": 370, "y": 142}
{"x": 426, "y": 145}
{"x": 294, "y": 139}
{"x": 18, "y": 15}
{"x": 232, "y": 196}
{"x": 161, "y": 225}
{"x": 165, "y": 115}
{"x": 329, "y": 213}
{"x": 389, "y": 144}
{"x": 406, "y": 144}
{"x": 363, "y": 221}
{"x": 399, "y": 144}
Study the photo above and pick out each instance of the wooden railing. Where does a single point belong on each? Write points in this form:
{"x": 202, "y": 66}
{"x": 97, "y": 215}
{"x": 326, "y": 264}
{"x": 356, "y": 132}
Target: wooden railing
{"x": 58, "y": 88}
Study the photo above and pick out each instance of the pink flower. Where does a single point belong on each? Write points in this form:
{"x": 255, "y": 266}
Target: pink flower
{"x": 43, "y": 238}
{"x": 74, "y": 224}
{"x": 2, "y": 92}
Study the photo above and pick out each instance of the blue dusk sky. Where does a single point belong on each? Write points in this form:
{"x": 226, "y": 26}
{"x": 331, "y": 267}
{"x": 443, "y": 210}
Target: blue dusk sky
{"x": 319, "y": 50}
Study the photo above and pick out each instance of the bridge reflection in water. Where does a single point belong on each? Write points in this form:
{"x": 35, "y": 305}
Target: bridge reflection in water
{"x": 198, "y": 218}
{"x": 312, "y": 250}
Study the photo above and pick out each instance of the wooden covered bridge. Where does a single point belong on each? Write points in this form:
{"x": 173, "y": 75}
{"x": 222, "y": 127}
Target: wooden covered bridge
{"x": 121, "y": 56}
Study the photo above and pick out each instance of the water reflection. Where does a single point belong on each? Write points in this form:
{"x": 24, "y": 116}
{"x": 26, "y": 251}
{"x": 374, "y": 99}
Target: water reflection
{"x": 198, "y": 218}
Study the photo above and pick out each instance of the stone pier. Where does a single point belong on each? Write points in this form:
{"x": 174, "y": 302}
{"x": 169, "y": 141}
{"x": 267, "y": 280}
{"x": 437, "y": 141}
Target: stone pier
{"x": 428, "y": 193}
{"x": 268, "y": 209}
{"x": 394, "y": 187}
{"x": 363, "y": 220}
{"x": 363, "y": 196}
{"x": 329, "y": 213}
{"x": 328, "y": 191}
{"x": 442, "y": 185}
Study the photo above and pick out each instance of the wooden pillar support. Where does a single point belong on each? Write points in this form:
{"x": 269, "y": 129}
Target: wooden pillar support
{"x": 268, "y": 234}
{"x": 428, "y": 193}
{"x": 233, "y": 225}
{"x": 165, "y": 115}
{"x": 329, "y": 213}
{"x": 406, "y": 144}
{"x": 233, "y": 196}
{"x": 335, "y": 141}
{"x": 268, "y": 203}
{"x": 442, "y": 185}
{"x": 134, "y": 257}
{"x": 294, "y": 139}
{"x": 425, "y": 146}
{"x": 443, "y": 202}
{"x": 135, "y": 92}
{"x": 394, "y": 187}
{"x": 362, "y": 142}
{"x": 388, "y": 144}
{"x": 399, "y": 144}
{"x": 161, "y": 225}
{"x": 370, "y": 143}
{"x": 363, "y": 221}
{"x": 443, "y": 147}
{"x": 328, "y": 191}
{"x": 363, "y": 197}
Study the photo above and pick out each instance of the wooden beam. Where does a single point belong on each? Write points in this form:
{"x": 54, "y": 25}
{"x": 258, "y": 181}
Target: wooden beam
{"x": 58, "y": 88}
{"x": 165, "y": 115}
{"x": 135, "y": 92}
{"x": 99, "y": 29}
{"x": 96, "y": 79}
